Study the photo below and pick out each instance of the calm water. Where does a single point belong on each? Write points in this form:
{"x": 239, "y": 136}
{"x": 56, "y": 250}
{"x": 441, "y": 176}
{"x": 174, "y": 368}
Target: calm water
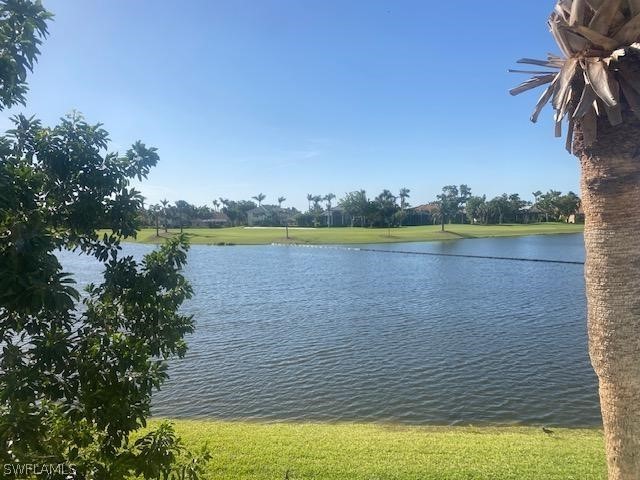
{"x": 293, "y": 333}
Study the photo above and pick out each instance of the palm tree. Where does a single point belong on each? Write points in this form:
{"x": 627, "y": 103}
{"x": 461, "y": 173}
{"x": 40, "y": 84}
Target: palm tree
{"x": 164, "y": 203}
{"x": 309, "y": 199}
{"x": 404, "y": 194}
{"x": 596, "y": 85}
{"x": 280, "y": 200}
{"x": 327, "y": 198}
{"x": 536, "y": 196}
{"x": 216, "y": 205}
{"x": 259, "y": 198}
{"x": 155, "y": 212}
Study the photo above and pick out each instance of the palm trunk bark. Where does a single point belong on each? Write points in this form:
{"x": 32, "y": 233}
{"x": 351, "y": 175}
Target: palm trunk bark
{"x": 610, "y": 184}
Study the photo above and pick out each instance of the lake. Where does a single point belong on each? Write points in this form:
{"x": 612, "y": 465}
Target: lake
{"x": 340, "y": 334}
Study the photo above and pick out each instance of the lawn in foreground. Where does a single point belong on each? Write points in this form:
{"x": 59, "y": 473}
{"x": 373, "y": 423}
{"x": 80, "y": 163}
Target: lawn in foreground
{"x": 346, "y": 235}
{"x": 248, "y": 450}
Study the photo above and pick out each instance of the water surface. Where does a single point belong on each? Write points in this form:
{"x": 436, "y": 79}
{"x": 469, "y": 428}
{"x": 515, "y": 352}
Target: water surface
{"x": 329, "y": 334}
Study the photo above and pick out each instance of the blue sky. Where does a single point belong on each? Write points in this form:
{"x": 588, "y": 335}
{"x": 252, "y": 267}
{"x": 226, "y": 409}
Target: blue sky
{"x": 289, "y": 97}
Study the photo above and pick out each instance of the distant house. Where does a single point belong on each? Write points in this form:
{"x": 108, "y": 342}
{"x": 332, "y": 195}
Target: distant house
{"x": 425, "y": 214}
{"x": 337, "y": 217}
{"x": 217, "y": 220}
{"x": 577, "y": 217}
{"x": 270, "y": 216}
{"x": 534, "y": 214}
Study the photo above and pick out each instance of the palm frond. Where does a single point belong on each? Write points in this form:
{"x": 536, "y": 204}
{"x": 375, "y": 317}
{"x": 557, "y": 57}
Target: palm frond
{"x": 599, "y": 71}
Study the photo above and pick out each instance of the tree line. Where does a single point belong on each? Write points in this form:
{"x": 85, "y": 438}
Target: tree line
{"x": 455, "y": 204}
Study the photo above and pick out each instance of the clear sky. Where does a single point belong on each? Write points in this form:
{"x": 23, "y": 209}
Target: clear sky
{"x": 289, "y": 97}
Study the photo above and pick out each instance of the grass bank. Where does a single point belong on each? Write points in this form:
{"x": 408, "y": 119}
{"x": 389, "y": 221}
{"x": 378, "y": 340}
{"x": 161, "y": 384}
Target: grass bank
{"x": 318, "y": 236}
{"x": 245, "y": 450}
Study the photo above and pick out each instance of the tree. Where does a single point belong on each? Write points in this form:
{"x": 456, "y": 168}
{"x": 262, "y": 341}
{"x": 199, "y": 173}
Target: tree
{"x": 216, "y": 205}
{"x": 259, "y": 198}
{"x": 309, "y": 199}
{"x": 385, "y": 208}
{"x": 280, "y": 200}
{"x": 403, "y": 195}
{"x": 402, "y": 214}
{"x": 155, "y": 215}
{"x": 548, "y": 204}
{"x": 536, "y": 195}
{"x": 476, "y": 209}
{"x": 356, "y": 205}
{"x": 237, "y": 210}
{"x": 568, "y": 205}
{"x": 76, "y": 383}
{"x": 596, "y": 86}
{"x": 499, "y": 207}
{"x": 185, "y": 212}
{"x": 450, "y": 202}
{"x": 23, "y": 25}
{"x": 317, "y": 209}
{"x": 328, "y": 198}
{"x": 164, "y": 203}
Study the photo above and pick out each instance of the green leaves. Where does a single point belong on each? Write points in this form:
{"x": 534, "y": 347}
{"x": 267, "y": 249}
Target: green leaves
{"x": 97, "y": 365}
{"x": 75, "y": 383}
{"x": 23, "y": 25}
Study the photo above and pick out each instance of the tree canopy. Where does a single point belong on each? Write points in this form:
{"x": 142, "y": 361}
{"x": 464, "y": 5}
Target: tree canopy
{"x": 77, "y": 371}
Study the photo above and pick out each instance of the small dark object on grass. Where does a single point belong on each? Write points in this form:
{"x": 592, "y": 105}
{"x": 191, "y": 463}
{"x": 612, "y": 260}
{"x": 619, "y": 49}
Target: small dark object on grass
{"x": 286, "y": 475}
{"x": 547, "y": 431}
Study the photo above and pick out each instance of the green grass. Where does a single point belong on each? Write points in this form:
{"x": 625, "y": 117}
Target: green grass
{"x": 247, "y": 450}
{"x": 261, "y": 236}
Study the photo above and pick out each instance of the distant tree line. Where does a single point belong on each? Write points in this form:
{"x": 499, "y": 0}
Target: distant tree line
{"x": 455, "y": 204}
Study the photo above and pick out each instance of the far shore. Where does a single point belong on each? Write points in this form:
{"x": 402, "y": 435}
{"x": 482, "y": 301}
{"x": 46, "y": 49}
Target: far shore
{"x": 348, "y": 235}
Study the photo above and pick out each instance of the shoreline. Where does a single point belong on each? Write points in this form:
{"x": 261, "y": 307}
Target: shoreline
{"x": 351, "y": 235}
{"x": 248, "y": 449}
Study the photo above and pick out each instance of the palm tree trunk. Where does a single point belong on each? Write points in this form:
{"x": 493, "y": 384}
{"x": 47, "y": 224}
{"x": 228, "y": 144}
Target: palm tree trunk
{"x": 610, "y": 186}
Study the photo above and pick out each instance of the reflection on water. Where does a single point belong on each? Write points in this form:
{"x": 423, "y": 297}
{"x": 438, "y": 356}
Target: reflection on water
{"x": 290, "y": 333}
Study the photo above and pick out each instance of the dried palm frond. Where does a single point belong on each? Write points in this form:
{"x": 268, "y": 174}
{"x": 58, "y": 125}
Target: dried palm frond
{"x": 600, "y": 69}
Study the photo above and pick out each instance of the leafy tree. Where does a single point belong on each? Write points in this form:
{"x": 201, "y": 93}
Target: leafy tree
{"x": 185, "y": 212}
{"x": 517, "y": 207}
{"x": 75, "y": 383}
{"x": 237, "y": 210}
{"x": 498, "y": 208}
{"x": 23, "y": 25}
{"x": 476, "y": 209}
{"x": 568, "y": 205}
{"x": 385, "y": 208}
{"x": 548, "y": 204}
{"x": 451, "y": 201}
{"x": 259, "y": 198}
{"x": 595, "y": 85}
{"x": 356, "y": 205}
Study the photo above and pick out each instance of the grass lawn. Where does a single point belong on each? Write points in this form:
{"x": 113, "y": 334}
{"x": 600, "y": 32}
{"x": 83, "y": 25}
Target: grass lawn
{"x": 261, "y": 236}
{"x": 247, "y": 450}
